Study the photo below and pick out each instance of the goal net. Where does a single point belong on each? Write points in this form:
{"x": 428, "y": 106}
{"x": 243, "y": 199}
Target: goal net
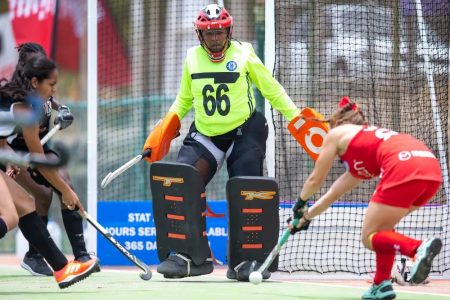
{"x": 141, "y": 48}
{"x": 392, "y": 58}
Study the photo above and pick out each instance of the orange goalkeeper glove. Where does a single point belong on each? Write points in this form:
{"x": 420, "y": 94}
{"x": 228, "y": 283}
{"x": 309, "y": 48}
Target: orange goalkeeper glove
{"x": 309, "y": 131}
{"x": 161, "y": 136}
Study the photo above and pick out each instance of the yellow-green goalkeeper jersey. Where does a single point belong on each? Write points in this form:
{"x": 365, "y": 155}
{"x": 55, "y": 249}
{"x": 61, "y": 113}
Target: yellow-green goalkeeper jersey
{"x": 222, "y": 94}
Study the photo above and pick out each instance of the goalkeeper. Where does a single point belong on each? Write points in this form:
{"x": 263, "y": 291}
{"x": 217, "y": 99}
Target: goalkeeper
{"x": 217, "y": 83}
{"x": 410, "y": 176}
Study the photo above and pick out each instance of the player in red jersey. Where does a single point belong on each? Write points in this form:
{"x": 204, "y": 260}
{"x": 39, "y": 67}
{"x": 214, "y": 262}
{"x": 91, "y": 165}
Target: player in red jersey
{"x": 410, "y": 176}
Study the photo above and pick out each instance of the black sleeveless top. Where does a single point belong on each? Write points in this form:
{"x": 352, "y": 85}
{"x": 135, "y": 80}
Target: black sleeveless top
{"x": 17, "y": 141}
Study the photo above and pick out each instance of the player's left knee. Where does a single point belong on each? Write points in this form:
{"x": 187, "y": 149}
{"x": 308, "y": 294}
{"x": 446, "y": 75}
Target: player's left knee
{"x": 366, "y": 239}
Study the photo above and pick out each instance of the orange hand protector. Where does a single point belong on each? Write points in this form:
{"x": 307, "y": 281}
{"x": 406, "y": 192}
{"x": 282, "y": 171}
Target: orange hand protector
{"x": 161, "y": 136}
{"x": 309, "y": 132}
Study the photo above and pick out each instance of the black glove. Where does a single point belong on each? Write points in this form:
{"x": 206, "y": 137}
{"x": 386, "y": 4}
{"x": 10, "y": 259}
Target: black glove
{"x": 295, "y": 229}
{"x": 299, "y": 208}
{"x": 64, "y": 118}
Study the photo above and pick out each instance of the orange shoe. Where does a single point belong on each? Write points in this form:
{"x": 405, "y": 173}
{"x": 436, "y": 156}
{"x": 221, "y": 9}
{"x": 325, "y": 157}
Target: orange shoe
{"x": 74, "y": 272}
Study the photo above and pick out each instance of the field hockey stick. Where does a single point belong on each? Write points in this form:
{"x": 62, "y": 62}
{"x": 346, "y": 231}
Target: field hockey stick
{"x": 36, "y": 159}
{"x": 147, "y": 273}
{"x": 112, "y": 175}
{"x": 256, "y": 276}
{"x": 7, "y": 119}
{"x": 50, "y": 134}
{"x": 28, "y": 158}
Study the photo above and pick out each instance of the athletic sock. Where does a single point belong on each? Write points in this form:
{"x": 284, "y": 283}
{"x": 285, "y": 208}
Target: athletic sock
{"x": 32, "y": 251}
{"x": 384, "y": 263}
{"x": 73, "y": 224}
{"x": 3, "y": 228}
{"x": 391, "y": 242}
{"x": 35, "y": 231}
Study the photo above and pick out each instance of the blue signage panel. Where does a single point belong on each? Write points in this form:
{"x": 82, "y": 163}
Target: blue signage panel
{"x": 132, "y": 224}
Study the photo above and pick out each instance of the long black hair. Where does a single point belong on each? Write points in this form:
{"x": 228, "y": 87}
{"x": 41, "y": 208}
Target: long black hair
{"x": 26, "y": 51}
{"x": 17, "y": 89}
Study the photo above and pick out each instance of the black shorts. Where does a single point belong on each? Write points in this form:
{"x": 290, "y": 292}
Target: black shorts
{"x": 24, "y": 150}
{"x": 18, "y": 147}
{"x": 243, "y": 148}
{"x": 34, "y": 173}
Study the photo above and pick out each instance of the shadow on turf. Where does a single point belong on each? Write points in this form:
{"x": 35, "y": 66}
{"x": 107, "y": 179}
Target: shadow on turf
{"x": 40, "y": 293}
{"x": 181, "y": 280}
{"x": 20, "y": 276}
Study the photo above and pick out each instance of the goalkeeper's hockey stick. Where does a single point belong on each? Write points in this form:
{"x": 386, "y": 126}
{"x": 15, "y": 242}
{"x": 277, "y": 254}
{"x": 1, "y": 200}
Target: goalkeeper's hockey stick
{"x": 147, "y": 273}
{"x": 272, "y": 255}
{"x": 112, "y": 175}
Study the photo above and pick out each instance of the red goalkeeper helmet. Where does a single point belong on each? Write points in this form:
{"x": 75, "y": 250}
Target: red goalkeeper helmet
{"x": 213, "y": 16}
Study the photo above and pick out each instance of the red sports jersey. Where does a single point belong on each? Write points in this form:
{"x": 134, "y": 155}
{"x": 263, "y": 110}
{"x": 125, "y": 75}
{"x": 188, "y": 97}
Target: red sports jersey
{"x": 395, "y": 157}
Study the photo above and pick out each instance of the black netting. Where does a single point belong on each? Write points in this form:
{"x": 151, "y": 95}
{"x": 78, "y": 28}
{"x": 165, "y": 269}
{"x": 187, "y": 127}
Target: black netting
{"x": 142, "y": 45}
{"x": 394, "y": 64}
{"x": 371, "y": 51}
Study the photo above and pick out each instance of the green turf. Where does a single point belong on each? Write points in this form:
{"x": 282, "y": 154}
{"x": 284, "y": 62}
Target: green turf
{"x": 16, "y": 284}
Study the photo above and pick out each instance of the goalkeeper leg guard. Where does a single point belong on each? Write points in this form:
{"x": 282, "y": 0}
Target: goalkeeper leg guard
{"x": 179, "y": 205}
{"x": 254, "y": 224}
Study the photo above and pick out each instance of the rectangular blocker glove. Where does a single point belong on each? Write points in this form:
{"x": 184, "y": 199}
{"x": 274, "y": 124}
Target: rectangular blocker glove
{"x": 309, "y": 131}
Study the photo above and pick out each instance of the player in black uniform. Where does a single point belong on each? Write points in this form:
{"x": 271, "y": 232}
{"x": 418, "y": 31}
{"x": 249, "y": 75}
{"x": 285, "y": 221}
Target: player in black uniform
{"x": 34, "y": 182}
{"x": 16, "y": 206}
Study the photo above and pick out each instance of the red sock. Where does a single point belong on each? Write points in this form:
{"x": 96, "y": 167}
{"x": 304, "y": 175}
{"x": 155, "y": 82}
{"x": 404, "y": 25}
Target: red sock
{"x": 385, "y": 262}
{"x": 391, "y": 242}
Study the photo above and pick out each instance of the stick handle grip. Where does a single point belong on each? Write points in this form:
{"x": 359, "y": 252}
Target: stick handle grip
{"x": 146, "y": 153}
{"x": 50, "y": 134}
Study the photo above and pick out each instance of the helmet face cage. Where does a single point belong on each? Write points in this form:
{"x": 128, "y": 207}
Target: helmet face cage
{"x": 213, "y": 16}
